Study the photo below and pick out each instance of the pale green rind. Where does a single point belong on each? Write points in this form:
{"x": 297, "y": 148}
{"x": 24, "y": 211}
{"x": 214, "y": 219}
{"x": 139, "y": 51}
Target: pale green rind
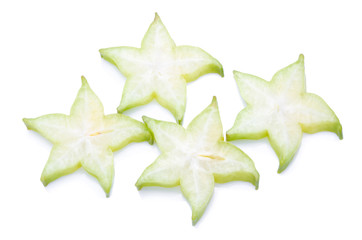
{"x": 131, "y": 64}
{"x": 160, "y": 173}
{"x": 236, "y": 166}
{"x": 282, "y": 110}
{"x": 172, "y": 97}
{"x": 195, "y": 158}
{"x": 124, "y": 130}
{"x": 285, "y": 139}
{"x": 63, "y": 160}
{"x": 99, "y": 163}
{"x": 320, "y": 118}
{"x": 194, "y": 62}
{"x": 86, "y": 138}
{"x": 157, "y": 37}
{"x": 166, "y": 134}
{"x": 87, "y": 106}
{"x": 197, "y": 189}
{"x": 135, "y": 94}
{"x": 252, "y": 89}
{"x": 291, "y": 79}
{"x": 128, "y": 60}
{"x": 53, "y": 127}
{"x": 207, "y": 126}
{"x": 159, "y": 70}
{"x": 249, "y": 124}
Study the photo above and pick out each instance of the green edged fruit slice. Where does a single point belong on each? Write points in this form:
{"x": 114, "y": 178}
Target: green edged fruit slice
{"x": 281, "y": 110}
{"x": 195, "y": 158}
{"x": 159, "y": 70}
{"x": 86, "y": 138}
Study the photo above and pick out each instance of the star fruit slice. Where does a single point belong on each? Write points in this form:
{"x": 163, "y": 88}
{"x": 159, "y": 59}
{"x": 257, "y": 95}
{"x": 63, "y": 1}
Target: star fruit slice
{"x": 86, "y": 138}
{"x": 195, "y": 158}
{"x": 281, "y": 110}
{"x": 159, "y": 70}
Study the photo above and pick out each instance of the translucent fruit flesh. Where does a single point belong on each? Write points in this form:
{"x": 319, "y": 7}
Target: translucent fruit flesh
{"x": 281, "y": 110}
{"x": 159, "y": 70}
{"x": 86, "y": 138}
{"x": 195, "y": 158}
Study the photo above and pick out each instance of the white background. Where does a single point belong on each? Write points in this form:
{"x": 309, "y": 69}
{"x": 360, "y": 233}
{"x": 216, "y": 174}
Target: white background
{"x": 46, "y": 47}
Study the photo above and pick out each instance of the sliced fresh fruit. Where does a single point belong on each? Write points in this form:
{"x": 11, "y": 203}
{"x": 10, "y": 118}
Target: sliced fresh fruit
{"x": 86, "y": 138}
{"x": 281, "y": 110}
{"x": 159, "y": 70}
{"x": 195, "y": 158}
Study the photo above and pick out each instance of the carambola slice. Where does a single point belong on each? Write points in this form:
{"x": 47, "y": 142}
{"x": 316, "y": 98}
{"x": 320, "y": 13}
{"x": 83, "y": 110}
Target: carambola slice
{"x": 86, "y": 138}
{"x": 195, "y": 158}
{"x": 159, "y": 70}
{"x": 281, "y": 110}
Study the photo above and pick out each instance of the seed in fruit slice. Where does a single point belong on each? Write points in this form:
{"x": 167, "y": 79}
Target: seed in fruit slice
{"x": 195, "y": 158}
{"x": 159, "y": 70}
{"x": 86, "y": 138}
{"x": 281, "y": 110}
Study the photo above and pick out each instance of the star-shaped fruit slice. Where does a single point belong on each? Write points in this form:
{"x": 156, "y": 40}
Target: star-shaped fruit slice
{"x": 86, "y": 138}
{"x": 281, "y": 110}
{"x": 195, "y": 158}
{"x": 159, "y": 70}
